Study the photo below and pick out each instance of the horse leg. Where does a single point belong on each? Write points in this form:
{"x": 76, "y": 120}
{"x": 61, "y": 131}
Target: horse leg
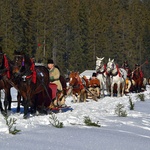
{"x": 118, "y": 90}
{"x": 123, "y": 88}
{"x": 108, "y": 85}
{"x": 102, "y": 89}
{"x": 1, "y": 107}
{"x": 6, "y": 101}
{"x": 112, "y": 87}
{"x": 26, "y": 105}
{"x": 85, "y": 95}
{"x": 74, "y": 98}
{"x": 9, "y": 99}
{"x": 78, "y": 98}
{"x": 18, "y": 102}
{"x": 139, "y": 88}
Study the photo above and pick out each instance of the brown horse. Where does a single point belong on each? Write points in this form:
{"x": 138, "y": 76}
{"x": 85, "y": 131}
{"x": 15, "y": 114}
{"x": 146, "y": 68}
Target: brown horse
{"x": 137, "y": 77}
{"x": 76, "y": 87}
{"x": 4, "y": 76}
{"x": 29, "y": 80}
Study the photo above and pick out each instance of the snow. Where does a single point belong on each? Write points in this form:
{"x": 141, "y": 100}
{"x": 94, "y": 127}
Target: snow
{"x": 115, "y": 133}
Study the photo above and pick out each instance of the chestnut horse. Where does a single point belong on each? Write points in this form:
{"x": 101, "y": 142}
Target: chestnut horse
{"x": 29, "y": 80}
{"x": 76, "y": 87}
{"x": 137, "y": 77}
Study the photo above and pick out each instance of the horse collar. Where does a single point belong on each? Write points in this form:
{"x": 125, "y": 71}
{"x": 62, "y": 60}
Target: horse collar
{"x": 118, "y": 72}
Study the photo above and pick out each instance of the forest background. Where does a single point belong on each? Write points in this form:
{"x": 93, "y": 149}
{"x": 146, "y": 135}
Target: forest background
{"x": 74, "y": 32}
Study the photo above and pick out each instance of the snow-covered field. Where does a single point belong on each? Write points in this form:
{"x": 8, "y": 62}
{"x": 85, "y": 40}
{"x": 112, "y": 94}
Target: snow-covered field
{"x": 116, "y": 133}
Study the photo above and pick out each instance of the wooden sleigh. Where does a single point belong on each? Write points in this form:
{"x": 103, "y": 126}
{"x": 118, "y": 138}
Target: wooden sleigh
{"x": 52, "y": 100}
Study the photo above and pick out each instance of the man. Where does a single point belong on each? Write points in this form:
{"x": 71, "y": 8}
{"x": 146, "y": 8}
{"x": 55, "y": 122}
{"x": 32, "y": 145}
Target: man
{"x": 54, "y": 74}
{"x": 125, "y": 64}
{"x": 94, "y": 85}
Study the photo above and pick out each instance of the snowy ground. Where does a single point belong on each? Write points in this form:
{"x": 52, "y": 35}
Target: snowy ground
{"x": 116, "y": 133}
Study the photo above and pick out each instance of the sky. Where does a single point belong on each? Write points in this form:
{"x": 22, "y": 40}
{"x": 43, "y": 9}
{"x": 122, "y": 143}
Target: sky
{"x": 115, "y": 133}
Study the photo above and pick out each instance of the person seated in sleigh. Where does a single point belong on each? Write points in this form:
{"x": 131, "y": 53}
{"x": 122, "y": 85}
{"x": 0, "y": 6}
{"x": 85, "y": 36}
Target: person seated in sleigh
{"x": 54, "y": 74}
{"x": 94, "y": 85}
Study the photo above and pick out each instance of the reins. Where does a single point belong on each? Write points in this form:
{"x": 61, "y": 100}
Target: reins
{"x": 146, "y": 62}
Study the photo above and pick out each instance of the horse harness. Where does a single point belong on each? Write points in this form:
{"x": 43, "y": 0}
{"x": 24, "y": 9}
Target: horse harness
{"x": 118, "y": 72}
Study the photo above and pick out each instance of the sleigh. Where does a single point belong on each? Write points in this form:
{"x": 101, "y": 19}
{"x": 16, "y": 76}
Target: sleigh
{"x": 51, "y": 100}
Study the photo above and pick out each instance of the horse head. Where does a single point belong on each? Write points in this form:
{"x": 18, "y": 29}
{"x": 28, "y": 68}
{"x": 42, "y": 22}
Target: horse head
{"x": 73, "y": 78}
{"x": 21, "y": 62}
{"x": 99, "y": 63}
{"x": 110, "y": 65}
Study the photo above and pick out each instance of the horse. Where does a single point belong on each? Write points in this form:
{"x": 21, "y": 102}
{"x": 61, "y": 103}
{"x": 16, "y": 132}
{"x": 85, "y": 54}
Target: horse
{"x": 5, "y": 79}
{"x": 4, "y": 84}
{"x": 117, "y": 77}
{"x": 29, "y": 80}
{"x": 103, "y": 76}
{"x": 137, "y": 77}
{"x": 76, "y": 87}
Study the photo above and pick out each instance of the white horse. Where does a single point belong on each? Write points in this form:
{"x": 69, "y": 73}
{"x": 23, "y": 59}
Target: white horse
{"x": 117, "y": 76}
{"x": 102, "y": 76}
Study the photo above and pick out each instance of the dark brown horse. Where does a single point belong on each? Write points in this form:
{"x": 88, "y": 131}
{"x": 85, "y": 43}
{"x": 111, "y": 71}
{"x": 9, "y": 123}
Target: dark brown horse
{"x": 5, "y": 79}
{"x": 137, "y": 77}
{"x": 4, "y": 76}
{"x": 29, "y": 80}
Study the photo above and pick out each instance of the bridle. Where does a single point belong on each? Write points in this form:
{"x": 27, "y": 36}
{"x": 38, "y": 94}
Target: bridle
{"x": 112, "y": 68}
{"x": 101, "y": 68}
{"x": 19, "y": 61}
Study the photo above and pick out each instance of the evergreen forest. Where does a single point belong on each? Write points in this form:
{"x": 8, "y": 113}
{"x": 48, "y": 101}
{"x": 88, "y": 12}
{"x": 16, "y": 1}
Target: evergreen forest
{"x": 74, "y": 32}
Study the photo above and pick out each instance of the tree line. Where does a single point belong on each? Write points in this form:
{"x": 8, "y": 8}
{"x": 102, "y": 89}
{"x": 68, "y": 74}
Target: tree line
{"x": 74, "y": 32}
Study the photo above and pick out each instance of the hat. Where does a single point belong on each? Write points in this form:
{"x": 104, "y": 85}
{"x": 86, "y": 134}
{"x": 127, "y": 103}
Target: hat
{"x": 94, "y": 74}
{"x": 50, "y": 61}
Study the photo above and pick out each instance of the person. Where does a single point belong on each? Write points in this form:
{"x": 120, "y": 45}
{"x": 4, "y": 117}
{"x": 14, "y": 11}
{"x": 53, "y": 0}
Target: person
{"x": 129, "y": 76}
{"x": 58, "y": 96}
{"x": 125, "y": 64}
{"x": 138, "y": 68}
{"x": 94, "y": 85}
{"x": 62, "y": 81}
{"x": 129, "y": 81}
{"x": 54, "y": 74}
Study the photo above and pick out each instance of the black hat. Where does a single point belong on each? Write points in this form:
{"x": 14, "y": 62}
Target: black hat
{"x": 50, "y": 61}
{"x": 94, "y": 74}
